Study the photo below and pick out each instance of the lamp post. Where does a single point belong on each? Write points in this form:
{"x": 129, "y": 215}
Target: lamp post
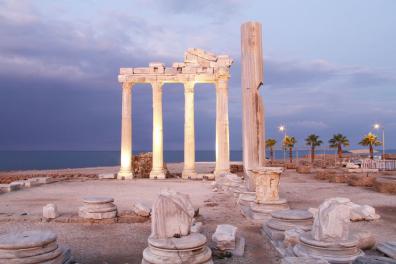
{"x": 378, "y": 126}
{"x": 282, "y": 128}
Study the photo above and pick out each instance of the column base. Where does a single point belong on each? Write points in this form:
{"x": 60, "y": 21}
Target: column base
{"x": 217, "y": 172}
{"x": 125, "y": 175}
{"x": 158, "y": 174}
{"x": 189, "y": 174}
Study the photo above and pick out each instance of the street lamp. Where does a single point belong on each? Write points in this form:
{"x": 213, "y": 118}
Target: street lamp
{"x": 282, "y": 128}
{"x": 378, "y": 126}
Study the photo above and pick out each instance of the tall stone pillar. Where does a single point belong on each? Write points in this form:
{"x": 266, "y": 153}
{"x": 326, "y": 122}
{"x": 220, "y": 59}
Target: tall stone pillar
{"x": 158, "y": 171}
{"x": 126, "y": 171}
{"x": 222, "y": 127}
{"x": 253, "y": 121}
{"x": 189, "y": 132}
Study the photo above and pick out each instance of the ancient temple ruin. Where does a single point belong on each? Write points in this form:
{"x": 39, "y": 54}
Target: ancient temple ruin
{"x": 199, "y": 66}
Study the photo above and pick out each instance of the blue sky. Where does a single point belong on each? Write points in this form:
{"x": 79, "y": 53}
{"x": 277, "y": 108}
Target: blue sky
{"x": 329, "y": 67}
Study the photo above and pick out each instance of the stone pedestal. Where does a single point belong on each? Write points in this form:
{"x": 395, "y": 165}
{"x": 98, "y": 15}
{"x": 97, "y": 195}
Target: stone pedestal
{"x": 287, "y": 219}
{"x": 334, "y": 252}
{"x": 30, "y": 247}
{"x": 330, "y": 238}
{"x": 98, "y": 208}
{"x": 263, "y": 210}
{"x": 171, "y": 240}
{"x": 190, "y": 249}
{"x": 265, "y": 181}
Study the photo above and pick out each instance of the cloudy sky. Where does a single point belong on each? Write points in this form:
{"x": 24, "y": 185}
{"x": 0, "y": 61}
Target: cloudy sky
{"x": 330, "y": 66}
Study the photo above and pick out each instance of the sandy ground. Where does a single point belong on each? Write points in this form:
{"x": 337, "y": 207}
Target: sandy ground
{"x": 124, "y": 243}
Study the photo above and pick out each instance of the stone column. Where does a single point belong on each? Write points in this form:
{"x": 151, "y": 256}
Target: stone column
{"x": 253, "y": 122}
{"x": 189, "y": 132}
{"x": 158, "y": 171}
{"x": 222, "y": 130}
{"x": 126, "y": 171}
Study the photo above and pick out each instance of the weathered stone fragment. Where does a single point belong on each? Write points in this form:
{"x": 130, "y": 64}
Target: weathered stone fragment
{"x": 140, "y": 209}
{"x": 388, "y": 248}
{"x": 373, "y": 260}
{"x": 50, "y": 211}
{"x": 225, "y": 237}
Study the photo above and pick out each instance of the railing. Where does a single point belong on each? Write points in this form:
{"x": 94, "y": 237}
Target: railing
{"x": 379, "y": 164}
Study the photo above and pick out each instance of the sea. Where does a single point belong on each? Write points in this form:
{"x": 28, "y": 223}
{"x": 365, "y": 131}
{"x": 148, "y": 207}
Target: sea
{"x": 37, "y": 160}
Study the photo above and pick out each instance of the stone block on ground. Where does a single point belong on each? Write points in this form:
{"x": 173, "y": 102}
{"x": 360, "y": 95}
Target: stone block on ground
{"x": 45, "y": 180}
{"x": 50, "y": 211}
{"x": 303, "y": 260}
{"x": 225, "y": 237}
{"x": 140, "y": 209}
{"x": 239, "y": 247}
{"x": 32, "y": 182}
{"x": 13, "y": 186}
{"x": 373, "y": 260}
{"x": 107, "y": 176}
{"x": 385, "y": 184}
{"x": 362, "y": 212}
{"x": 387, "y": 248}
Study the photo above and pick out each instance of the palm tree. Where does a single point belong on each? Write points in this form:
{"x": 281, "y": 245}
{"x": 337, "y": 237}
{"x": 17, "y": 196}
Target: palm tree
{"x": 370, "y": 140}
{"x": 313, "y": 141}
{"x": 270, "y": 143}
{"x": 288, "y": 142}
{"x": 338, "y": 141}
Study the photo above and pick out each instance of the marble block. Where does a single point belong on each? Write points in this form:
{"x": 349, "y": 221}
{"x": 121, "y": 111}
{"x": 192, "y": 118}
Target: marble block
{"x": 225, "y": 237}
{"x": 374, "y": 260}
{"x": 50, "y": 211}
{"x": 172, "y": 215}
{"x": 107, "y": 176}
{"x": 388, "y": 248}
{"x": 303, "y": 260}
{"x": 96, "y": 207}
{"x": 30, "y": 247}
{"x": 332, "y": 220}
{"x": 140, "y": 209}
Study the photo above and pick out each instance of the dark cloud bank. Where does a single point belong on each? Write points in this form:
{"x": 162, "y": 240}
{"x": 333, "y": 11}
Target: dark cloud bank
{"x": 58, "y": 90}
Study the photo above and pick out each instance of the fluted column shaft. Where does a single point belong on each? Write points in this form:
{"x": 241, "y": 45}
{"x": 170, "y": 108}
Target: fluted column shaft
{"x": 158, "y": 171}
{"x": 189, "y": 132}
{"x": 126, "y": 171}
{"x": 222, "y": 127}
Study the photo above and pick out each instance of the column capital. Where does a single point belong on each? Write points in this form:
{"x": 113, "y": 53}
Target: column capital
{"x": 223, "y": 74}
{"x": 189, "y": 87}
{"x": 127, "y": 85}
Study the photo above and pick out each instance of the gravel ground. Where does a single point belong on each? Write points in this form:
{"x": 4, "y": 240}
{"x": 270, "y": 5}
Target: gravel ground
{"x": 124, "y": 243}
